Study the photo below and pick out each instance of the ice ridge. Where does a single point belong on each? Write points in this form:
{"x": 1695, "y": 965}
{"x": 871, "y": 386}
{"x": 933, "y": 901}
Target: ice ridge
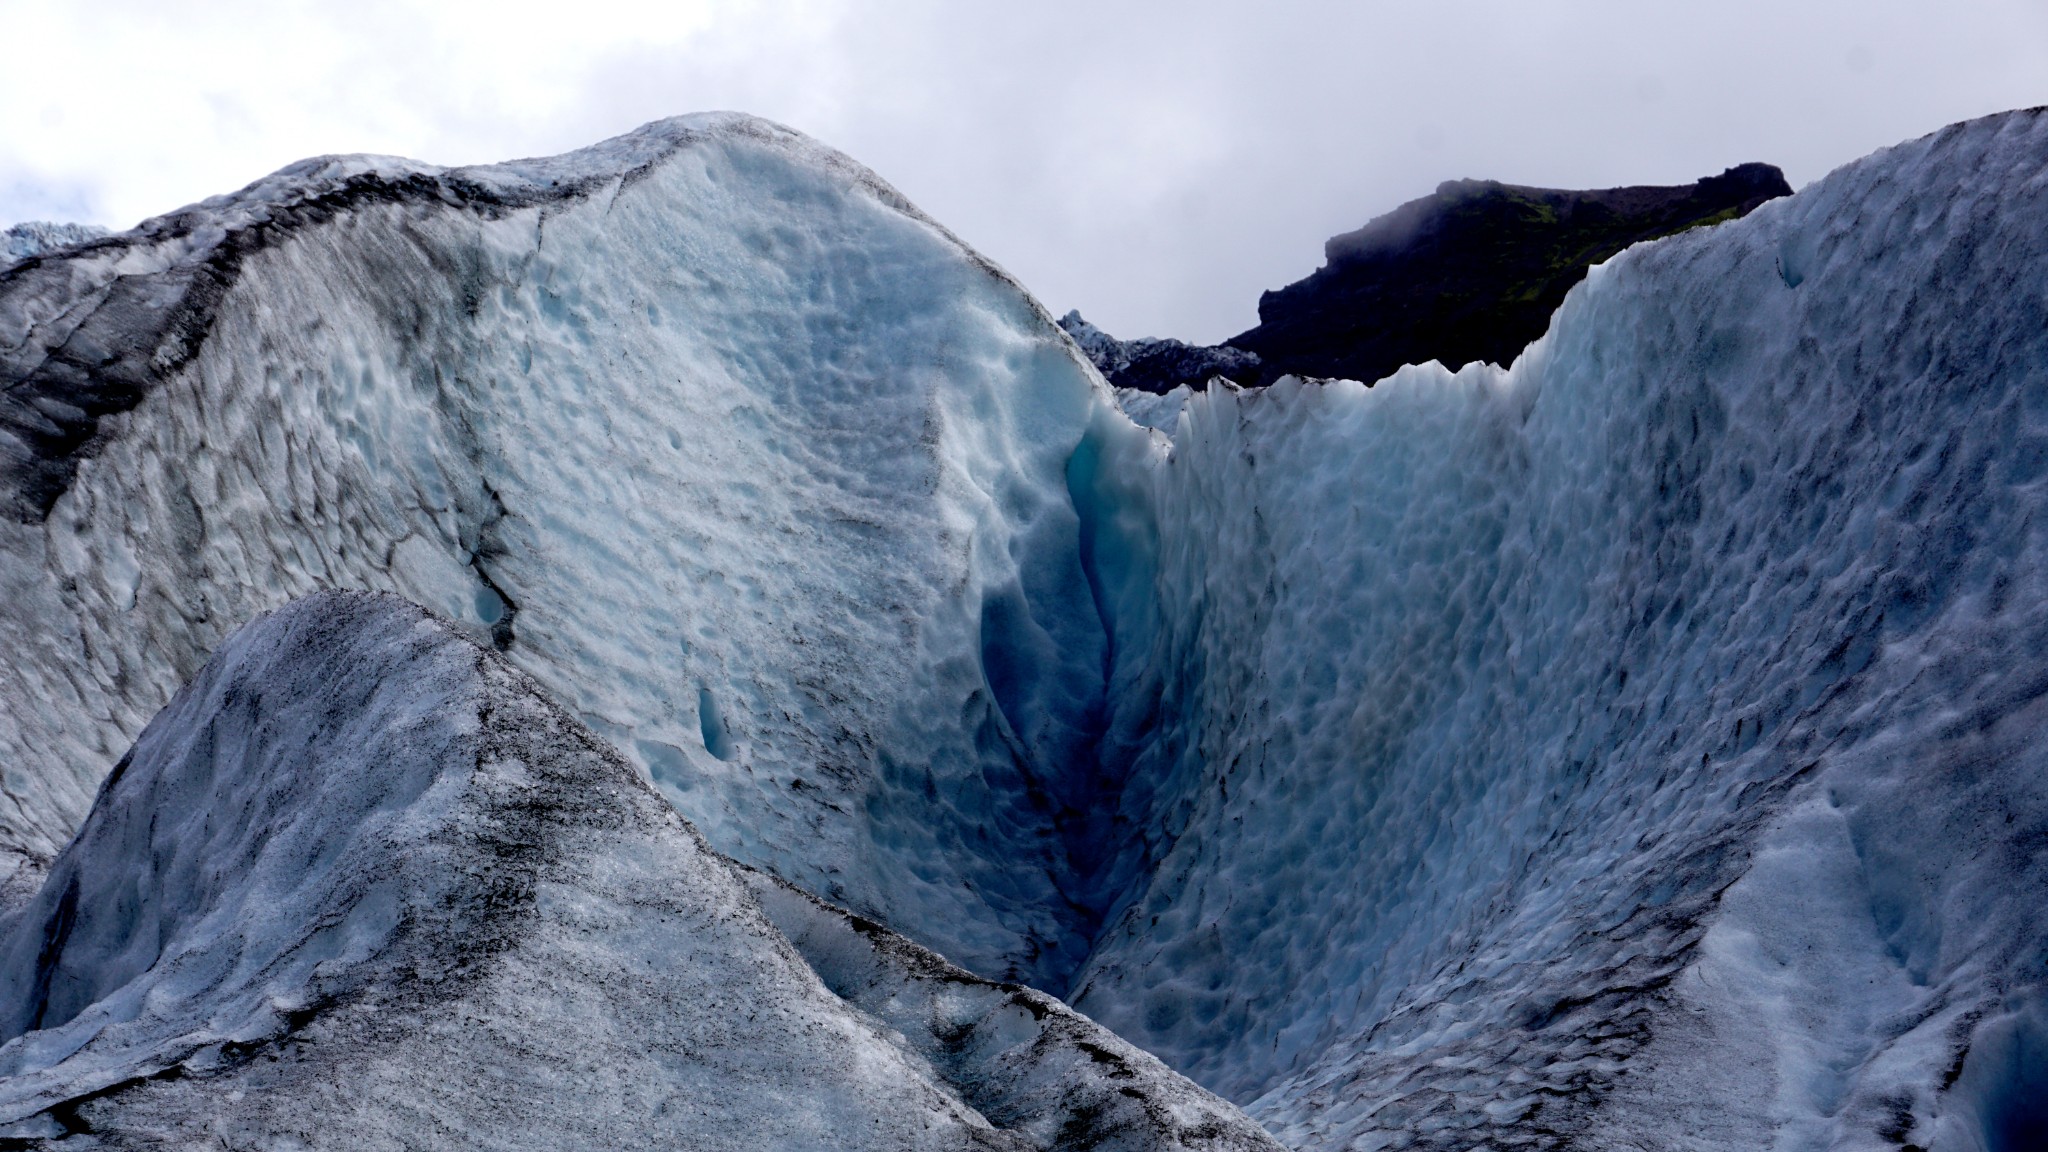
{"x": 18, "y": 242}
{"x": 359, "y": 855}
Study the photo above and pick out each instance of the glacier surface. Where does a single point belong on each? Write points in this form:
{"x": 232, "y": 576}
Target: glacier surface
{"x": 1633, "y": 747}
{"x": 752, "y": 465}
{"x": 1639, "y": 746}
{"x": 362, "y": 885}
{"x": 18, "y": 242}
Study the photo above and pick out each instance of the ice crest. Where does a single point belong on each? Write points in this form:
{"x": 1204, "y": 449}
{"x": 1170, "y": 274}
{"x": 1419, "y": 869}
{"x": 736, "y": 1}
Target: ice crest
{"x": 34, "y": 237}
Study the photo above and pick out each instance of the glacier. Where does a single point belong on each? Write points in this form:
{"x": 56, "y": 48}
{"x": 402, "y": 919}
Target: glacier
{"x": 1635, "y": 746}
{"x": 371, "y": 852}
{"x": 1630, "y": 747}
{"x": 616, "y": 413}
{"x": 18, "y": 242}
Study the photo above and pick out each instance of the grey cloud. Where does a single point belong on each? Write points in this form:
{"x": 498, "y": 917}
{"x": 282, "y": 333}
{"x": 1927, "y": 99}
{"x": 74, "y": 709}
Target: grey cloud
{"x": 1157, "y": 164}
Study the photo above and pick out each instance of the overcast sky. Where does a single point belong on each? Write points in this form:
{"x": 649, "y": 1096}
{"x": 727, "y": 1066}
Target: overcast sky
{"x": 1155, "y": 164}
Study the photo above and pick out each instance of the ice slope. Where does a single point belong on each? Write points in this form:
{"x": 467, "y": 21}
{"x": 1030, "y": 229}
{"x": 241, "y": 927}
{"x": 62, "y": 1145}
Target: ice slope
{"x": 361, "y": 885}
{"x": 1637, "y": 748}
{"x": 757, "y": 469}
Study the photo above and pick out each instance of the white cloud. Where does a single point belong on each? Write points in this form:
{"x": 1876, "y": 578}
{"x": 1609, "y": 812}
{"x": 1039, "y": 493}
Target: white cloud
{"x": 1154, "y": 163}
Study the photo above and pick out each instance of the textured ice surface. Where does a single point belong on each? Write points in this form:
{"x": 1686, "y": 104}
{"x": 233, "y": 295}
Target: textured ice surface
{"x": 35, "y": 237}
{"x": 1030, "y": 1064}
{"x": 755, "y": 468}
{"x": 1634, "y": 747}
{"x": 1153, "y": 409}
{"x": 362, "y": 886}
{"x": 1639, "y": 747}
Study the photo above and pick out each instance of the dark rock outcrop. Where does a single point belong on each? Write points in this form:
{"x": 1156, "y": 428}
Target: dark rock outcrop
{"x": 1472, "y": 272}
{"x": 1158, "y": 366}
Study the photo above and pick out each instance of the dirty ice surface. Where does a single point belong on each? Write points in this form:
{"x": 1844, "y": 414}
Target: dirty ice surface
{"x": 361, "y": 885}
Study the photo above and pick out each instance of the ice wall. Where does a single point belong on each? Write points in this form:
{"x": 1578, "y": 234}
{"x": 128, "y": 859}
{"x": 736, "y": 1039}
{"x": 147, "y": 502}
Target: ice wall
{"x": 1637, "y": 746}
{"x": 756, "y": 468}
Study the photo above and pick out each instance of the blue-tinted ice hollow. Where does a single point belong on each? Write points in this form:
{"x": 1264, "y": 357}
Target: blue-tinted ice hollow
{"x": 490, "y": 607}
{"x": 712, "y": 726}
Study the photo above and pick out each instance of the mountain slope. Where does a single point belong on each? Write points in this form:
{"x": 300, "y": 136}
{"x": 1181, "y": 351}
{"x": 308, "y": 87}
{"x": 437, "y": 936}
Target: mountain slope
{"x": 1472, "y": 272}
